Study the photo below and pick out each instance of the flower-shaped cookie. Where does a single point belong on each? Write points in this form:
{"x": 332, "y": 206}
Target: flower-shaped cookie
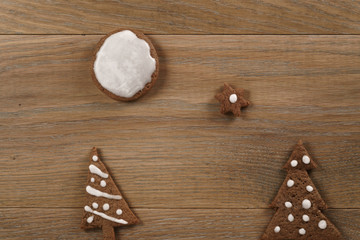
{"x": 232, "y": 100}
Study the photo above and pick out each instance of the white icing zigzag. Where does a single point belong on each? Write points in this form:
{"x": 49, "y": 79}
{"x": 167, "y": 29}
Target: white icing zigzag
{"x": 98, "y": 193}
{"x": 103, "y": 215}
{"x": 94, "y": 169}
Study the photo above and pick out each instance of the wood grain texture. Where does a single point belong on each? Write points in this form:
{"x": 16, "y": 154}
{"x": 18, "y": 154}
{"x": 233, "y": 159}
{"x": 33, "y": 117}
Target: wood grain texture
{"x": 172, "y": 148}
{"x": 164, "y": 224}
{"x": 180, "y": 17}
{"x": 187, "y": 171}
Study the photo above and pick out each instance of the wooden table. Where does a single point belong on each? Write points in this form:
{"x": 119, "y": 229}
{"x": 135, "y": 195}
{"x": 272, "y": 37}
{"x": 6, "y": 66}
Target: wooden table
{"x": 187, "y": 171}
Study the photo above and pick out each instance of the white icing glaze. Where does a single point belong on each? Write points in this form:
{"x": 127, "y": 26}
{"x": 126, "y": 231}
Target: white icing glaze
{"x": 119, "y": 212}
{"x": 95, "y": 158}
{"x": 288, "y": 204}
{"x": 290, "y": 183}
{"x": 309, "y": 188}
{"x": 103, "y": 183}
{"x": 123, "y": 64}
{"x": 95, "y": 205}
{"x": 305, "y": 218}
{"x": 106, "y": 206}
{"x": 306, "y": 159}
{"x": 92, "y": 179}
{"x": 294, "y": 163}
{"x": 290, "y": 217}
{"x": 233, "y": 98}
{"x": 306, "y": 204}
{"x": 302, "y": 231}
{"x": 94, "y": 169}
{"x": 322, "y": 224}
{"x": 277, "y": 229}
{"x": 90, "y": 219}
{"x": 97, "y": 193}
{"x": 103, "y": 215}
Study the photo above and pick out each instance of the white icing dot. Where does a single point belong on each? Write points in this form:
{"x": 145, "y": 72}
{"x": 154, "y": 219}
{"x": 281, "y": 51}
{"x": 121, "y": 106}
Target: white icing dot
{"x": 290, "y": 183}
{"x": 305, "y": 218}
{"x": 290, "y": 217}
{"x": 103, "y": 183}
{"x": 95, "y": 205}
{"x": 306, "y": 204}
{"x": 288, "y": 204}
{"x": 277, "y": 229}
{"x": 106, "y": 206}
{"x": 294, "y": 163}
{"x": 92, "y": 179}
{"x": 309, "y": 188}
{"x": 90, "y": 219}
{"x": 95, "y": 158}
{"x": 233, "y": 98}
{"x": 302, "y": 231}
{"x": 322, "y": 224}
{"x": 119, "y": 212}
{"x": 306, "y": 159}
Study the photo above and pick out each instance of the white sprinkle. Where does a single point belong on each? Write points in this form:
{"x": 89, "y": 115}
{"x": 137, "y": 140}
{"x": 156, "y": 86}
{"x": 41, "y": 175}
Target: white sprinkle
{"x": 290, "y": 183}
{"x": 103, "y": 183}
{"x": 290, "y": 217}
{"x": 233, "y": 98}
{"x": 95, "y": 158}
{"x": 277, "y": 229}
{"x": 305, "y": 218}
{"x": 119, "y": 212}
{"x": 306, "y": 204}
{"x": 92, "y": 179}
{"x": 95, "y": 205}
{"x": 90, "y": 219}
{"x": 294, "y": 163}
{"x": 288, "y": 204}
{"x": 306, "y": 159}
{"x": 106, "y": 206}
{"x": 309, "y": 188}
{"x": 322, "y": 224}
{"x": 302, "y": 231}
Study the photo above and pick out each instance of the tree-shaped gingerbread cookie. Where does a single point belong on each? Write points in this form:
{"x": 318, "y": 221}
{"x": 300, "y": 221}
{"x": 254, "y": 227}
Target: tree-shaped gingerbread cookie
{"x": 298, "y": 204}
{"x": 105, "y": 207}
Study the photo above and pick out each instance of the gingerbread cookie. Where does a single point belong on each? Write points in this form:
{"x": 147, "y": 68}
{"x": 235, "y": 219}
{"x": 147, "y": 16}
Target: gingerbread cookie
{"x": 125, "y": 65}
{"x": 105, "y": 207}
{"x": 298, "y": 204}
{"x": 232, "y": 100}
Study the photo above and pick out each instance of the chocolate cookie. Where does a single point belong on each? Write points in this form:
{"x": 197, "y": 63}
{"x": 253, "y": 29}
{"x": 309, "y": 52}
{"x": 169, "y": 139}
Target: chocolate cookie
{"x": 125, "y": 65}
{"x": 104, "y": 207}
{"x": 298, "y": 204}
{"x": 232, "y": 100}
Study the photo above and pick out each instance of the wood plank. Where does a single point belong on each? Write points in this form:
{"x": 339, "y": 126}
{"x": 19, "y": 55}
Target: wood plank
{"x": 171, "y": 148}
{"x": 180, "y": 17}
{"x": 157, "y": 224}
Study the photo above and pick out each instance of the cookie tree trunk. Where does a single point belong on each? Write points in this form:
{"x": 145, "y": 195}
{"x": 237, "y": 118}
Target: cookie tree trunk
{"x": 108, "y": 232}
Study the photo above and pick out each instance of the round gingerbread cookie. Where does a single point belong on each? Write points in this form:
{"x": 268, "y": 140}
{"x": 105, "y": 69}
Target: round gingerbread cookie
{"x": 125, "y": 65}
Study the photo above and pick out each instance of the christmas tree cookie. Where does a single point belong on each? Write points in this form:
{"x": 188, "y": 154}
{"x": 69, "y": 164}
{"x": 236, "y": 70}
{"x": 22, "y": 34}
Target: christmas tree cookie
{"x": 298, "y": 204}
{"x": 104, "y": 207}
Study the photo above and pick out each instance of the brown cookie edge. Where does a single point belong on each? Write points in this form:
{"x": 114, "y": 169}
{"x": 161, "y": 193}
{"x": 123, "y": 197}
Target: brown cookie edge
{"x": 147, "y": 87}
